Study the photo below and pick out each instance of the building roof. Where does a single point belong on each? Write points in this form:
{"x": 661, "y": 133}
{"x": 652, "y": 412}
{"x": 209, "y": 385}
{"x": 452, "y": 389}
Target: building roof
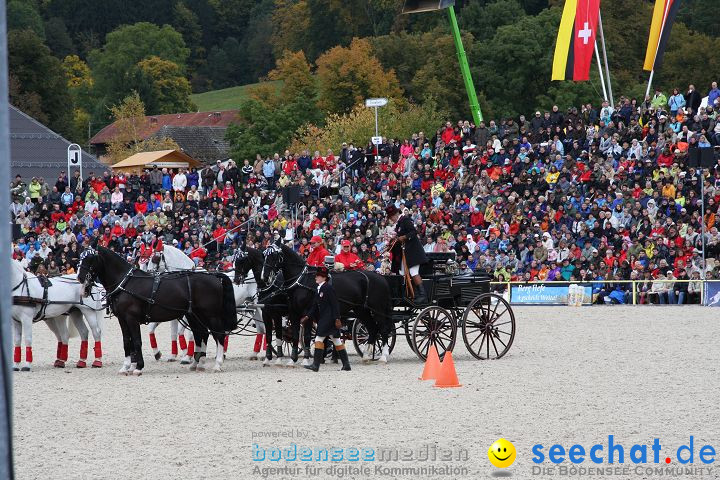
{"x": 37, "y": 151}
{"x": 161, "y": 156}
{"x": 155, "y": 122}
{"x": 206, "y": 144}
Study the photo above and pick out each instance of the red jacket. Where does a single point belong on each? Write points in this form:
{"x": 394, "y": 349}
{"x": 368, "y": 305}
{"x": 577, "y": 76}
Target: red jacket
{"x": 317, "y": 256}
{"x": 348, "y": 258}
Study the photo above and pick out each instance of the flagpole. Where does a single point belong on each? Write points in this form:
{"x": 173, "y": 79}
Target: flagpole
{"x": 607, "y": 65}
{"x": 662, "y": 27}
{"x": 600, "y": 71}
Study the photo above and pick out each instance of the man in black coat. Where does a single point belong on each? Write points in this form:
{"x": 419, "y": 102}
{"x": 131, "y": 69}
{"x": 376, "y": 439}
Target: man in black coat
{"x": 325, "y": 311}
{"x": 408, "y": 241}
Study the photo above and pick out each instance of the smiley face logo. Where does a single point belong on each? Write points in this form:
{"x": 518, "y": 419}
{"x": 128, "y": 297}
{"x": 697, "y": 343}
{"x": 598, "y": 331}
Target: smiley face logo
{"x": 501, "y": 453}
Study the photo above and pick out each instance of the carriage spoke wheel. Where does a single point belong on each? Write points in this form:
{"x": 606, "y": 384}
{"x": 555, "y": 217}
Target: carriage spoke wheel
{"x": 313, "y": 333}
{"x": 488, "y": 327}
{"x": 360, "y": 337}
{"x": 434, "y": 326}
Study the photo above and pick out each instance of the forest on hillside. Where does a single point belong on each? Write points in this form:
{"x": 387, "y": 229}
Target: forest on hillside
{"x": 72, "y": 60}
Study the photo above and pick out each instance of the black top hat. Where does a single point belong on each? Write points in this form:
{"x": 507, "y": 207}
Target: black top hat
{"x": 322, "y": 271}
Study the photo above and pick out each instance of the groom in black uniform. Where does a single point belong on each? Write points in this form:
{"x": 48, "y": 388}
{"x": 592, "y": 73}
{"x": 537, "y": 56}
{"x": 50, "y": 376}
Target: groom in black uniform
{"x": 325, "y": 311}
{"x": 407, "y": 240}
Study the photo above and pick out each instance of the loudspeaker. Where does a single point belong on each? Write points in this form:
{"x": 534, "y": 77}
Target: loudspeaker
{"x": 291, "y": 194}
{"x": 416, "y": 6}
{"x": 694, "y": 157}
{"x": 707, "y": 157}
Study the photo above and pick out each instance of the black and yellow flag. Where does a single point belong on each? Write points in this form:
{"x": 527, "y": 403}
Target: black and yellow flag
{"x": 662, "y": 20}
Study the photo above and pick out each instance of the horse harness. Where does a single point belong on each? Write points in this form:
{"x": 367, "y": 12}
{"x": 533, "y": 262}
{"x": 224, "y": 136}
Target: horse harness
{"x": 30, "y": 301}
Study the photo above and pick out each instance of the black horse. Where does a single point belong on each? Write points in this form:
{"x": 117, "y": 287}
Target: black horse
{"x": 206, "y": 300}
{"x": 275, "y": 303}
{"x": 361, "y": 294}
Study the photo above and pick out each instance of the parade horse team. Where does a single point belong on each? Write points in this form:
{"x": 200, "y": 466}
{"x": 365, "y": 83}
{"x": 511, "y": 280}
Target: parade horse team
{"x": 272, "y": 285}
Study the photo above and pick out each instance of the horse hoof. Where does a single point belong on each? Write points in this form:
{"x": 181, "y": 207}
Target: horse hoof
{"x": 193, "y": 367}
{"x": 172, "y": 359}
{"x": 306, "y": 362}
{"x": 267, "y": 362}
{"x": 279, "y": 362}
{"x": 261, "y": 355}
{"x": 383, "y": 359}
{"x": 137, "y": 373}
{"x": 200, "y": 369}
{"x": 253, "y": 357}
{"x": 217, "y": 369}
{"x": 25, "y": 369}
{"x": 291, "y": 363}
{"x": 16, "y": 369}
{"x": 97, "y": 364}
{"x": 59, "y": 364}
{"x": 158, "y": 355}
{"x": 81, "y": 364}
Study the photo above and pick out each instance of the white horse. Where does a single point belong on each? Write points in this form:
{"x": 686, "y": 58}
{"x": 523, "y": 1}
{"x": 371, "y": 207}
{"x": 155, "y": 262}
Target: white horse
{"x": 171, "y": 260}
{"x": 64, "y": 299}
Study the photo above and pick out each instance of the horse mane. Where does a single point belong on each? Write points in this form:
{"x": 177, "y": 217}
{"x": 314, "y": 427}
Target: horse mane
{"x": 289, "y": 252}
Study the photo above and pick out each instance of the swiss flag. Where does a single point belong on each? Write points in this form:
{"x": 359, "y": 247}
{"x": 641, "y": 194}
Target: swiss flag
{"x": 586, "y": 19}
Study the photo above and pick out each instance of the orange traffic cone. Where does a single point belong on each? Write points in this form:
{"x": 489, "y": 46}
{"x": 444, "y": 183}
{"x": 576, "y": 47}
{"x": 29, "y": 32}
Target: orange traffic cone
{"x": 447, "y": 377}
{"x": 432, "y": 365}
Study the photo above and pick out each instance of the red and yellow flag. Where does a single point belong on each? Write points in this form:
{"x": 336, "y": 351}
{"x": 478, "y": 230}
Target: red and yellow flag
{"x": 576, "y": 40}
{"x": 662, "y": 20}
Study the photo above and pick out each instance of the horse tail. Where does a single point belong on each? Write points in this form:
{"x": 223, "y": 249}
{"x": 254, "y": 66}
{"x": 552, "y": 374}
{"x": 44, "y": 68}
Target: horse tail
{"x": 72, "y": 330}
{"x": 229, "y": 312}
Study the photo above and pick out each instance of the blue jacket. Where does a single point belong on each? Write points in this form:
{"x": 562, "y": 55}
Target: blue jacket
{"x": 167, "y": 182}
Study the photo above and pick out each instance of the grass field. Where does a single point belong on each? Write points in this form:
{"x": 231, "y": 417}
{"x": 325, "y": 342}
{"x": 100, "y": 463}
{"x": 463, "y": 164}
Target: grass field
{"x": 225, "y": 99}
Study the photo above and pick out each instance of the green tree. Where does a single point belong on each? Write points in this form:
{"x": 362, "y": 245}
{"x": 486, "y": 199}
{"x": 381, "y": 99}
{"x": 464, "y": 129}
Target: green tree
{"x": 265, "y": 130}
{"x": 349, "y": 75}
{"x": 57, "y": 38}
{"x": 169, "y": 90}
{"x": 38, "y": 83}
{"x": 482, "y": 19}
{"x": 116, "y": 66}
{"x": 22, "y": 15}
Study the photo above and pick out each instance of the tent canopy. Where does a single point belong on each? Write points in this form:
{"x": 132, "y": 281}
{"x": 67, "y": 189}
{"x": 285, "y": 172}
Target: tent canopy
{"x": 161, "y": 158}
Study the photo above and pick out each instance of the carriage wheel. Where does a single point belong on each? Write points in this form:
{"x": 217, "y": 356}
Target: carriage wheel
{"x": 360, "y": 337}
{"x": 408, "y": 334}
{"x": 488, "y": 326}
{"x": 434, "y": 326}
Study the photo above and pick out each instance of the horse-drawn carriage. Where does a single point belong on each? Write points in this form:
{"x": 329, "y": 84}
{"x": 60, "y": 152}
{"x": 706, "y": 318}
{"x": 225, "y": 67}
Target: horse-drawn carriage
{"x": 464, "y": 303}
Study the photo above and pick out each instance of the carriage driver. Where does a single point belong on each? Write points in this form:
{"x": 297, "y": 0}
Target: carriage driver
{"x": 407, "y": 239}
{"x": 325, "y": 311}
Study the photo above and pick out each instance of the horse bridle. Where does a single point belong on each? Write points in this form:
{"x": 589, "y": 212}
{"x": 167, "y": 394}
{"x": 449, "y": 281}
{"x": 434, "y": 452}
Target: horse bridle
{"x": 272, "y": 250}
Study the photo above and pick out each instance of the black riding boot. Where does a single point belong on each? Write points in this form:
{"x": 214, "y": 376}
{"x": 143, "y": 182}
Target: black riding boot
{"x": 335, "y": 355}
{"x": 319, "y": 354}
{"x": 420, "y": 295}
{"x": 344, "y": 358}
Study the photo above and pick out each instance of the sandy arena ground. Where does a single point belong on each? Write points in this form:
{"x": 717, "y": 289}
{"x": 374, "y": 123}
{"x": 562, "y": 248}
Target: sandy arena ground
{"x": 573, "y": 375}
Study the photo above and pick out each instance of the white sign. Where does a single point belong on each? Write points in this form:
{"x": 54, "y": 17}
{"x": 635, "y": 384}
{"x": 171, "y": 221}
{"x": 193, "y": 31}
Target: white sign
{"x": 74, "y": 159}
{"x": 376, "y": 102}
{"x": 376, "y": 140}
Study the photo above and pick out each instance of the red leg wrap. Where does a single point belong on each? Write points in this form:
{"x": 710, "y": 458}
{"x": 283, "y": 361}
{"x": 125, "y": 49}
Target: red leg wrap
{"x": 225, "y": 344}
{"x": 58, "y": 355}
{"x": 64, "y": 353}
{"x": 98, "y": 349}
{"x": 28, "y": 354}
{"x": 174, "y": 349}
{"x": 183, "y": 344}
{"x": 83, "y": 349}
{"x": 16, "y": 355}
{"x": 153, "y": 341}
{"x": 258, "y": 342}
{"x": 191, "y": 348}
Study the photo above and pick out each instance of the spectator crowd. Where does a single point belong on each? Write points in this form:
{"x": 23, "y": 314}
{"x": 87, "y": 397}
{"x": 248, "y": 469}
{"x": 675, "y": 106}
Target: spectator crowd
{"x": 592, "y": 194}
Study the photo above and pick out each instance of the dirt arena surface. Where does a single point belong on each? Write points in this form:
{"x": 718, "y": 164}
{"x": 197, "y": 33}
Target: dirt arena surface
{"x": 573, "y": 376}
